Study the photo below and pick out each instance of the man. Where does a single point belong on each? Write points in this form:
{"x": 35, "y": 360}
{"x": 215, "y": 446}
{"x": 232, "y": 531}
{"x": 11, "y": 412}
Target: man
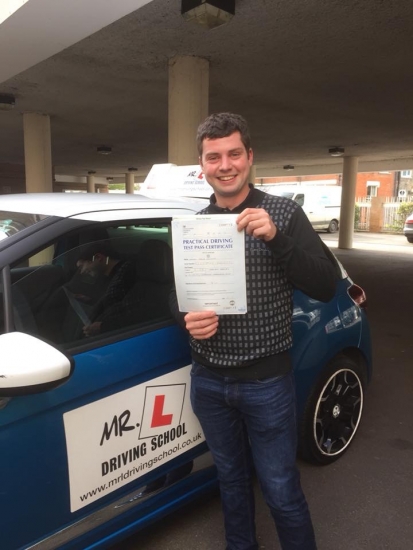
{"x": 99, "y": 259}
{"x": 242, "y": 388}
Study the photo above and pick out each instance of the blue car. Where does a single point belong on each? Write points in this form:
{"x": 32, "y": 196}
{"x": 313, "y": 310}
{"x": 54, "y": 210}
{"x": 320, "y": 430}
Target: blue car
{"x": 97, "y": 434}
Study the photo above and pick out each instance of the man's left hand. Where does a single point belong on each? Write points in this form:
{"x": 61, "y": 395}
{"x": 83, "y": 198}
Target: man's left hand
{"x": 257, "y": 222}
{"x": 91, "y": 330}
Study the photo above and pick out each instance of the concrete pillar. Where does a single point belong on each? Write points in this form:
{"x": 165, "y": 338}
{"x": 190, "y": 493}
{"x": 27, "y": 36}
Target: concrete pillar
{"x": 90, "y": 184}
{"x": 130, "y": 183}
{"x": 376, "y": 214}
{"x": 188, "y": 106}
{"x": 43, "y": 257}
{"x": 37, "y": 153}
{"x": 253, "y": 174}
{"x": 348, "y": 200}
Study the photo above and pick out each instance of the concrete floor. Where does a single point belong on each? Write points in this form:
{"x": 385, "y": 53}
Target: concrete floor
{"x": 365, "y": 500}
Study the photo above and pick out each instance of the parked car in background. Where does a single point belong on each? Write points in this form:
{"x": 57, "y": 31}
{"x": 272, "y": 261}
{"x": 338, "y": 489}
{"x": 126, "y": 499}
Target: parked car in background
{"x": 408, "y": 228}
{"x": 97, "y": 434}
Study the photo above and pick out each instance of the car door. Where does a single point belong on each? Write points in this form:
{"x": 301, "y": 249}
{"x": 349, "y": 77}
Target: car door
{"x": 123, "y": 419}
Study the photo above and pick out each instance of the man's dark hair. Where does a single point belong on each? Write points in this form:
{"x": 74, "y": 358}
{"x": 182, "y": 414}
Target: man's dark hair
{"x": 221, "y": 125}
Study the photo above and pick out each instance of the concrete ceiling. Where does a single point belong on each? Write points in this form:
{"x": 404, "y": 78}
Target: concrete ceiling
{"x": 306, "y": 74}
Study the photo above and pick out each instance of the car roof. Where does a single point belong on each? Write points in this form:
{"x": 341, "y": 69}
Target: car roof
{"x": 67, "y": 205}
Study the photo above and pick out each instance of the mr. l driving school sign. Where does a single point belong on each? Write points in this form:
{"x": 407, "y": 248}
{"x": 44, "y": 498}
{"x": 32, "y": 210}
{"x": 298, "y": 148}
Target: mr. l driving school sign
{"x": 118, "y": 439}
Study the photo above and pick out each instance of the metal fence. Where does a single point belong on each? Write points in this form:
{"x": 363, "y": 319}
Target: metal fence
{"x": 391, "y": 217}
{"x": 362, "y": 217}
{"x": 394, "y": 214}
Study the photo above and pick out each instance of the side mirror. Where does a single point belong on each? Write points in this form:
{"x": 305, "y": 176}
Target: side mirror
{"x": 29, "y": 365}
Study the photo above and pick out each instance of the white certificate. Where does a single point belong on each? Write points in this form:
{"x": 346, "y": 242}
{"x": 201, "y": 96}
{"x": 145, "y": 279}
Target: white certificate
{"x": 209, "y": 264}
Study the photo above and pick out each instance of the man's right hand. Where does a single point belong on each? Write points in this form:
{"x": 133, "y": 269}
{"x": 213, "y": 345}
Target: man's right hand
{"x": 201, "y": 324}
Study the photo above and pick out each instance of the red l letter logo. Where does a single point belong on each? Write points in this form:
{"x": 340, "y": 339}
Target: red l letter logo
{"x": 158, "y": 418}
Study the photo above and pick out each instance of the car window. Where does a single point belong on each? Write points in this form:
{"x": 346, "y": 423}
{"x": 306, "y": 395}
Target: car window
{"x": 13, "y": 222}
{"x": 299, "y": 199}
{"x": 286, "y": 194}
{"x": 95, "y": 283}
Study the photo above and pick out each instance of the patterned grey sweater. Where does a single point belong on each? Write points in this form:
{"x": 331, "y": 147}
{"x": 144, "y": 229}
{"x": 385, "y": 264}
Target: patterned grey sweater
{"x": 255, "y": 345}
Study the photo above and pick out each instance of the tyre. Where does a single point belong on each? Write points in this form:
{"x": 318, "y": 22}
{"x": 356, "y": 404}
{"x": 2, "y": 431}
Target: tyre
{"x": 332, "y": 226}
{"x": 409, "y": 239}
{"x": 333, "y": 411}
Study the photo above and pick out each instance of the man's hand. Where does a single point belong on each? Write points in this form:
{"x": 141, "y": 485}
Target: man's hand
{"x": 91, "y": 330}
{"x": 201, "y": 324}
{"x": 257, "y": 222}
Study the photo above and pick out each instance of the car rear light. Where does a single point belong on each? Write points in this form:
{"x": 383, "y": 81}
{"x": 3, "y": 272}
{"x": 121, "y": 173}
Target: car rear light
{"x": 409, "y": 222}
{"x": 358, "y": 295}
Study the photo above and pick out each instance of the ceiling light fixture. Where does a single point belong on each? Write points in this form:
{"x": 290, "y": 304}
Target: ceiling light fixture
{"x": 104, "y": 150}
{"x": 7, "y": 102}
{"x": 208, "y": 13}
{"x": 288, "y": 167}
{"x": 132, "y": 169}
{"x": 109, "y": 179}
{"x": 91, "y": 172}
{"x": 336, "y": 151}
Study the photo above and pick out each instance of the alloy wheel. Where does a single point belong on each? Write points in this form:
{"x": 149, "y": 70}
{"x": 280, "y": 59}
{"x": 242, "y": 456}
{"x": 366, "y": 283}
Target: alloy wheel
{"x": 338, "y": 412}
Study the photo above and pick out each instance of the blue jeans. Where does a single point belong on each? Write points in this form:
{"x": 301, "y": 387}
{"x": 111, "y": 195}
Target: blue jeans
{"x": 247, "y": 424}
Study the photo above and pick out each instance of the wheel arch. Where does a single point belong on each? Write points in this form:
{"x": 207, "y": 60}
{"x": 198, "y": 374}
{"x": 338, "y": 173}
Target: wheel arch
{"x": 358, "y": 357}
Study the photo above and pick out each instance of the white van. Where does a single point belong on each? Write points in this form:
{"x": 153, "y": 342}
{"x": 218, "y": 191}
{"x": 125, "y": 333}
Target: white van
{"x": 321, "y": 203}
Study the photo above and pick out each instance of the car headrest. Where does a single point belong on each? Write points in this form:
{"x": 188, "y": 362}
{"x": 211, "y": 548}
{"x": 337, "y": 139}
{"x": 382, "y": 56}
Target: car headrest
{"x": 155, "y": 262}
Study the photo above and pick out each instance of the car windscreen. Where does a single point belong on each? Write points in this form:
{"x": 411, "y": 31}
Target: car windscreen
{"x": 13, "y": 222}
{"x": 286, "y": 194}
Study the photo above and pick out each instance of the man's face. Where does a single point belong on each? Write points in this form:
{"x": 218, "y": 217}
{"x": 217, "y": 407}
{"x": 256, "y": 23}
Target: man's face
{"x": 92, "y": 267}
{"x": 226, "y": 165}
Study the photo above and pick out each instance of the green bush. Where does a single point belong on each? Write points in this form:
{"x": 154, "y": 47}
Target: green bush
{"x": 356, "y": 216}
{"x": 404, "y": 210}
{"x": 121, "y": 186}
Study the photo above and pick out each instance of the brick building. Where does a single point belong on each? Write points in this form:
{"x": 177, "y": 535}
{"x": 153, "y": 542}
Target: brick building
{"x": 369, "y": 184}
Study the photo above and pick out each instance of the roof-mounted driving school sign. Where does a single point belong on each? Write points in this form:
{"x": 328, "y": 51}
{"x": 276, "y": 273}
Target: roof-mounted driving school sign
{"x": 120, "y": 438}
{"x": 169, "y": 180}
